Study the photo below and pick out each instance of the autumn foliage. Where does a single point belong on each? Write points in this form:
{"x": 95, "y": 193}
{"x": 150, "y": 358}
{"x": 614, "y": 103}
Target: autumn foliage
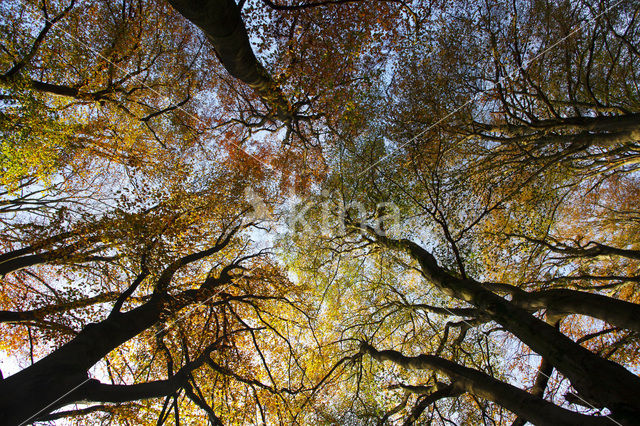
{"x": 319, "y": 212}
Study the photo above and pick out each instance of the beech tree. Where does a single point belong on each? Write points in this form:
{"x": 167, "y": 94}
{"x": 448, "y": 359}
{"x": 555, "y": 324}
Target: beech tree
{"x": 155, "y": 289}
{"x": 463, "y": 250}
{"x": 509, "y": 181}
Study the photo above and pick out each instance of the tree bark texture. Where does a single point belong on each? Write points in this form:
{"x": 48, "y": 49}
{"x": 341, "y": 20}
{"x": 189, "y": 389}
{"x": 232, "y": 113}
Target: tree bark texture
{"x": 526, "y": 405}
{"x": 592, "y": 376}
{"x": 221, "y": 22}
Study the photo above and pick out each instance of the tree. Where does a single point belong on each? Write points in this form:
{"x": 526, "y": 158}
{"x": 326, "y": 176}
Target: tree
{"x": 236, "y": 291}
{"x": 222, "y": 24}
{"x": 136, "y": 280}
{"x": 539, "y": 91}
{"x": 518, "y": 214}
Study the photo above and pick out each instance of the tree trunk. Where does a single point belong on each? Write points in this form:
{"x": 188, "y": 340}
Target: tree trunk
{"x": 592, "y": 376}
{"x": 41, "y": 387}
{"x": 61, "y": 377}
{"x": 622, "y": 314}
{"x": 222, "y": 23}
{"x": 39, "y": 313}
{"x": 524, "y": 404}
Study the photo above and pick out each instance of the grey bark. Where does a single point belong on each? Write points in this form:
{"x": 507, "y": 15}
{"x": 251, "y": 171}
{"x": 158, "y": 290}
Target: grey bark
{"x": 221, "y": 22}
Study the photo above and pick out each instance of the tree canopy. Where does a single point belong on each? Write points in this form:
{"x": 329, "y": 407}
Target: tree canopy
{"x": 320, "y": 212}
